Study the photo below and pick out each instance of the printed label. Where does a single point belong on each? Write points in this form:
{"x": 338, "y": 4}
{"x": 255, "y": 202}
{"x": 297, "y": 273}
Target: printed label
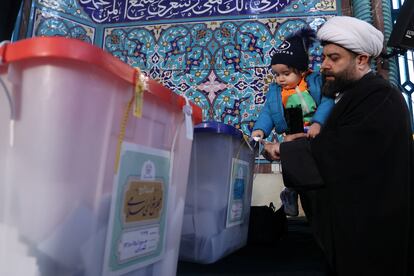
{"x": 136, "y": 229}
{"x": 137, "y": 243}
{"x": 142, "y": 201}
{"x": 237, "y": 194}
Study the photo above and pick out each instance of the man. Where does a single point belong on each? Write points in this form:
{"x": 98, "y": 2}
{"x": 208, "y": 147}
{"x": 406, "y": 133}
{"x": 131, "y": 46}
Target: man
{"x": 362, "y": 216}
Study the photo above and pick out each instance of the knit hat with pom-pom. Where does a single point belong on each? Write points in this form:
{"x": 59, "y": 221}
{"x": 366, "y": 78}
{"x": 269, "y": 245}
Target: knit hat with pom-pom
{"x": 293, "y": 51}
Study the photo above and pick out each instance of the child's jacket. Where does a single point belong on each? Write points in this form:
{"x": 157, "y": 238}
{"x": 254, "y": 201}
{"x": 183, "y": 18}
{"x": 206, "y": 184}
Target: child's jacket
{"x": 272, "y": 115}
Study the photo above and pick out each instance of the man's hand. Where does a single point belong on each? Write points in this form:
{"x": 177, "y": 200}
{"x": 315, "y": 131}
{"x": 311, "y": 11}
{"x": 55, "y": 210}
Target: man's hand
{"x": 291, "y": 137}
{"x": 271, "y": 151}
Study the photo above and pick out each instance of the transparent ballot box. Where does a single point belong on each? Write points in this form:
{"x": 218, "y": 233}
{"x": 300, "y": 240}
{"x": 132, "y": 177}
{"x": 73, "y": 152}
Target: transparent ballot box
{"x": 219, "y": 190}
{"x": 93, "y": 166}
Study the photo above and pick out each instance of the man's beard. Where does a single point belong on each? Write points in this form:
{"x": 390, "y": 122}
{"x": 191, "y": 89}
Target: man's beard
{"x": 341, "y": 81}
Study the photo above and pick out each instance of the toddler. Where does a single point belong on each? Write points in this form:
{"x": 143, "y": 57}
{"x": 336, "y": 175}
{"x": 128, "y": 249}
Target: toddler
{"x": 295, "y": 102}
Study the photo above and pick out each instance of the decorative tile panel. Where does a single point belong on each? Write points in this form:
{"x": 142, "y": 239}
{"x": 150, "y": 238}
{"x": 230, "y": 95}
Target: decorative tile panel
{"x": 216, "y": 53}
{"x": 127, "y": 11}
{"x": 67, "y": 7}
{"x": 48, "y": 24}
{"x": 222, "y": 66}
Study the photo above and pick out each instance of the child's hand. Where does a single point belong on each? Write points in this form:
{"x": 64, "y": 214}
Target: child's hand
{"x": 258, "y": 133}
{"x": 314, "y": 130}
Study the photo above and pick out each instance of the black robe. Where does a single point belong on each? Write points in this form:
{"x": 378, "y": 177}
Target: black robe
{"x": 362, "y": 217}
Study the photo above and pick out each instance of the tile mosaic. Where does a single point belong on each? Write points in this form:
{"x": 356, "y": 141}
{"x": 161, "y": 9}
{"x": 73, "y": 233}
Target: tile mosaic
{"x": 49, "y": 24}
{"x": 220, "y": 61}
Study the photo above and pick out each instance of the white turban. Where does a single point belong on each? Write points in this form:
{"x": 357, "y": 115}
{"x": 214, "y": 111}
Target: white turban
{"x": 352, "y": 34}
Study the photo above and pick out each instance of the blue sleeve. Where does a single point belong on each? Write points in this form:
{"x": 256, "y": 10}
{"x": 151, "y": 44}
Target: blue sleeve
{"x": 323, "y": 111}
{"x": 325, "y": 104}
{"x": 264, "y": 122}
{"x": 271, "y": 115}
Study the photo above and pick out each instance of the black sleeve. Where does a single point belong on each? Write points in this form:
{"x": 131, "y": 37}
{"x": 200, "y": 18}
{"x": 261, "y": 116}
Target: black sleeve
{"x": 298, "y": 166}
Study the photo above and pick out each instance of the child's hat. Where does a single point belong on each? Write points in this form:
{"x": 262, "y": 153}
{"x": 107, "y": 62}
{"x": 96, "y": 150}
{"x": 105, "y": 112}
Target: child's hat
{"x": 293, "y": 51}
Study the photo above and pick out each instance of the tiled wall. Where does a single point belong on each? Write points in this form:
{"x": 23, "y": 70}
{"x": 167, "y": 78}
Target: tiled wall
{"x": 217, "y": 53}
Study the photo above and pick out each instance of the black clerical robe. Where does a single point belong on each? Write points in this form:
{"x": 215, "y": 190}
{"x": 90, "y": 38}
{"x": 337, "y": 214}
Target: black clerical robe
{"x": 362, "y": 217}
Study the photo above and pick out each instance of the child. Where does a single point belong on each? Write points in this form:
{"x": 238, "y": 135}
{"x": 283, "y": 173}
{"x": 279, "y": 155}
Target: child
{"x": 297, "y": 89}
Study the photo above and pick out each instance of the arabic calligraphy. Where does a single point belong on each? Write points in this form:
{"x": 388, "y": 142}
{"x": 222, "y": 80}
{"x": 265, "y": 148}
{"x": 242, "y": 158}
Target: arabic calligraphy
{"x": 326, "y": 5}
{"x": 118, "y": 11}
{"x": 142, "y": 201}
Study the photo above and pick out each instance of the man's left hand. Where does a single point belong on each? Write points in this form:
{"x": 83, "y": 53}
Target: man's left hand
{"x": 271, "y": 151}
{"x": 291, "y": 137}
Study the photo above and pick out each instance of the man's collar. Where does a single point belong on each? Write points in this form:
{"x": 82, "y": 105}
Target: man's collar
{"x": 338, "y": 97}
{"x": 339, "y": 94}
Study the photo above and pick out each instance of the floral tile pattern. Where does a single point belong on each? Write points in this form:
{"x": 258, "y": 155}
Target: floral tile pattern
{"x": 221, "y": 66}
{"x": 220, "y": 62}
{"x": 49, "y": 24}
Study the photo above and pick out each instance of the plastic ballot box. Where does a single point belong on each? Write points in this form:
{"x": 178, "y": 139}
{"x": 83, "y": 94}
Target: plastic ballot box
{"x": 93, "y": 166}
{"x": 219, "y": 190}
